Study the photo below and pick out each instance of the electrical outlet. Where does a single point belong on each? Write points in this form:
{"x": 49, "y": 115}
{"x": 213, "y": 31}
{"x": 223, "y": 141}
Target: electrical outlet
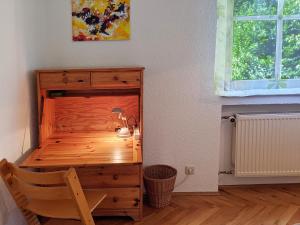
{"x": 189, "y": 170}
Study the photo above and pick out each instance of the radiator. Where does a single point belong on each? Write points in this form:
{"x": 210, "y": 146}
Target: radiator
{"x": 267, "y": 145}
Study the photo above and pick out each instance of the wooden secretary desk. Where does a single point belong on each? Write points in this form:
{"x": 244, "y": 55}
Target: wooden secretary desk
{"x": 77, "y": 128}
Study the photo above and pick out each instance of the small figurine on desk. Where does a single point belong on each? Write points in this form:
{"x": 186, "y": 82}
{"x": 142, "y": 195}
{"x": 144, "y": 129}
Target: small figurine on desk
{"x": 123, "y": 132}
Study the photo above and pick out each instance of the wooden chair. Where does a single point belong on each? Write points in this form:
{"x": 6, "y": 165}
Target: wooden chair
{"x": 53, "y": 195}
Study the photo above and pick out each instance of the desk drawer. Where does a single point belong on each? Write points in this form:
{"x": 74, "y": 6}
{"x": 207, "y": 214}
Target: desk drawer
{"x": 120, "y": 198}
{"x": 58, "y": 80}
{"x": 112, "y": 80}
{"x": 109, "y": 176}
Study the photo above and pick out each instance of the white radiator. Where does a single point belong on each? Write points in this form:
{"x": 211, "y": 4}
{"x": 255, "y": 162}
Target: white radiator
{"x": 267, "y": 145}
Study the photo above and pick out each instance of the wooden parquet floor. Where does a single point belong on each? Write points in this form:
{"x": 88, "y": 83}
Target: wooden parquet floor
{"x": 256, "y": 205}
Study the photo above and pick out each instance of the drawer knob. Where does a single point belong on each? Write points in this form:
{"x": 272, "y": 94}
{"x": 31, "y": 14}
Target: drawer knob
{"x": 116, "y": 177}
{"x": 115, "y": 199}
{"x": 116, "y": 78}
{"x": 80, "y": 81}
{"x": 137, "y": 201}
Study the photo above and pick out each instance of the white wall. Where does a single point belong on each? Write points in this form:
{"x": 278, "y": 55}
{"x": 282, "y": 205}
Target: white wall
{"x": 174, "y": 40}
{"x": 18, "y": 56}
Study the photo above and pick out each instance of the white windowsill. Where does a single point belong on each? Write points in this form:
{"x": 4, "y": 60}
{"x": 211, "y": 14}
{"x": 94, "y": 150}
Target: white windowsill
{"x": 260, "y": 92}
{"x": 243, "y": 88}
{"x": 237, "y": 98}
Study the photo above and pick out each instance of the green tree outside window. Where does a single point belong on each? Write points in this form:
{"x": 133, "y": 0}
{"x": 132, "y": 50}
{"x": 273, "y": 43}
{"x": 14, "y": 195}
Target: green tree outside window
{"x": 259, "y": 40}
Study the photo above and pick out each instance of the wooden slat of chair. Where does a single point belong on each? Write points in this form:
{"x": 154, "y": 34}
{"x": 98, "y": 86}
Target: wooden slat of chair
{"x": 65, "y": 209}
{"x": 60, "y": 209}
{"x": 64, "y": 202}
{"x": 19, "y": 198}
{"x": 45, "y": 178}
{"x": 41, "y": 193}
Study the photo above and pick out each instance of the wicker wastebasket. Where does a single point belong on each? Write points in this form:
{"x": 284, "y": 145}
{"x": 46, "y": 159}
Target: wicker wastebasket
{"x": 159, "y": 181}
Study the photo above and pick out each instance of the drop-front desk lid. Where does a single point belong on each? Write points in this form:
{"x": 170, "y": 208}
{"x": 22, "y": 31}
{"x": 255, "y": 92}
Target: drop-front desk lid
{"x": 85, "y": 149}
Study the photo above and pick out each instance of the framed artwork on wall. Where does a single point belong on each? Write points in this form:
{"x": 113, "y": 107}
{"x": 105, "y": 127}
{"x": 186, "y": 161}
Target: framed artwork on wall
{"x": 100, "y": 20}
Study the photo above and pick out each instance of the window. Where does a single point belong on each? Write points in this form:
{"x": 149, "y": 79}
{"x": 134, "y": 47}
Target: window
{"x": 258, "y": 47}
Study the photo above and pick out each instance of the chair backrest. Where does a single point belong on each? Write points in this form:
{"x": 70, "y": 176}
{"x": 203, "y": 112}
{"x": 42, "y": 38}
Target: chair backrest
{"x": 43, "y": 193}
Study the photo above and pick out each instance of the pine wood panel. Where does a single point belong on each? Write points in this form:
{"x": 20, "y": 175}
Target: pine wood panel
{"x": 119, "y": 198}
{"x": 64, "y": 80}
{"x": 94, "y": 113}
{"x": 83, "y": 149}
{"x": 116, "y": 79}
{"x": 109, "y": 176}
{"x": 102, "y": 69}
{"x": 47, "y": 126}
{"x": 141, "y": 106}
{"x": 137, "y": 150}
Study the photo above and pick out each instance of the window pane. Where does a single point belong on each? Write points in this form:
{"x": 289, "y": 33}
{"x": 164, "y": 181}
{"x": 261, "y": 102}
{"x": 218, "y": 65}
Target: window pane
{"x": 291, "y": 50}
{"x": 291, "y": 7}
{"x": 255, "y": 7}
{"x": 254, "y": 47}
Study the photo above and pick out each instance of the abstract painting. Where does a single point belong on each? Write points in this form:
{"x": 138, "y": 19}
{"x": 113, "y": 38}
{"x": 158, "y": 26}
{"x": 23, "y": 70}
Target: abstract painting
{"x": 100, "y": 20}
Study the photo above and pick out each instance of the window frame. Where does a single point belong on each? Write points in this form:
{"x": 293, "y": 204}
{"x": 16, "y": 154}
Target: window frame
{"x": 274, "y": 86}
